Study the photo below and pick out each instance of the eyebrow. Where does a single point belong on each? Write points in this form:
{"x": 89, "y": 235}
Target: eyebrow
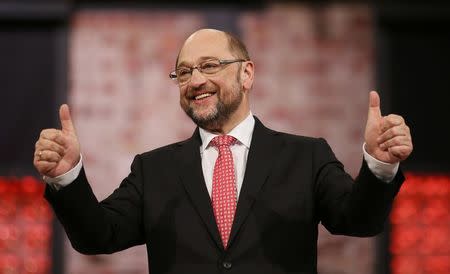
{"x": 201, "y": 59}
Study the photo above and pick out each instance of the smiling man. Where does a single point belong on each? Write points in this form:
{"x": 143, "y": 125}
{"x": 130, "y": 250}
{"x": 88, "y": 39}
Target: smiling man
{"x": 236, "y": 197}
{"x": 207, "y": 95}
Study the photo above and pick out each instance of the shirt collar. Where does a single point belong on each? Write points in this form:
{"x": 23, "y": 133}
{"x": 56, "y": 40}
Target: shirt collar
{"x": 242, "y": 132}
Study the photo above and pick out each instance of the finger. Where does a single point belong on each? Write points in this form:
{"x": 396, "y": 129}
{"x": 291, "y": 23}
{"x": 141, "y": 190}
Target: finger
{"x": 392, "y": 132}
{"x": 54, "y": 135}
{"x": 47, "y": 156}
{"x": 44, "y": 167}
{"x": 396, "y": 141}
{"x": 400, "y": 152}
{"x": 66, "y": 119}
{"x": 390, "y": 121}
{"x": 374, "y": 106}
{"x": 45, "y": 144}
{"x": 49, "y": 133}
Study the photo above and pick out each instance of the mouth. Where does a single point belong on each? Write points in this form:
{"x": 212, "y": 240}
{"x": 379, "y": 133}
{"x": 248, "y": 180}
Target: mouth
{"x": 202, "y": 96}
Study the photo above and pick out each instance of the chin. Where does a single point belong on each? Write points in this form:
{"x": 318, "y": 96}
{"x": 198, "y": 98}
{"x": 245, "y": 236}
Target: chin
{"x": 205, "y": 119}
{"x": 205, "y": 114}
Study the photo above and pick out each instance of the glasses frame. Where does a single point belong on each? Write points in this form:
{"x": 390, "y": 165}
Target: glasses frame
{"x": 222, "y": 62}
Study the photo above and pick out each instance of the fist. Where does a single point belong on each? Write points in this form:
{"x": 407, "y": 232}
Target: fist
{"x": 388, "y": 138}
{"x": 57, "y": 150}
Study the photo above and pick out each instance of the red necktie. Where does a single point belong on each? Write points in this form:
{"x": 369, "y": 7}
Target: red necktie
{"x": 224, "y": 186}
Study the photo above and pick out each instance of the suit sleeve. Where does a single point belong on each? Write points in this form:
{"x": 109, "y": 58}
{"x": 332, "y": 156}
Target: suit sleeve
{"x": 102, "y": 227}
{"x": 357, "y": 207}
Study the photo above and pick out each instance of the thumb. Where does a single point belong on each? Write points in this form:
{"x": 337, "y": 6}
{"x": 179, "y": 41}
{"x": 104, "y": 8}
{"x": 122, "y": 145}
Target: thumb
{"x": 374, "y": 106}
{"x": 66, "y": 120}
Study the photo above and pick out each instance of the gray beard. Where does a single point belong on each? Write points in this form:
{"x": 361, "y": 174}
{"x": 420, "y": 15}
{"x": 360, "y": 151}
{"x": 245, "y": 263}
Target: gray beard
{"x": 216, "y": 120}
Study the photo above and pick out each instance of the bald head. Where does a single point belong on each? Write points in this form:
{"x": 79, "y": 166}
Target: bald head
{"x": 211, "y": 40}
{"x": 213, "y": 33}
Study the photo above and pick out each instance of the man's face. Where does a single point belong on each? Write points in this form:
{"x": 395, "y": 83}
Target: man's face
{"x": 212, "y": 99}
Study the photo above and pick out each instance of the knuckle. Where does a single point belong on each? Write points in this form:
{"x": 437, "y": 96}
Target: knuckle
{"x": 46, "y": 133}
{"x": 392, "y": 132}
{"x": 58, "y": 136}
{"x": 403, "y": 150}
{"x": 391, "y": 117}
{"x": 396, "y": 119}
{"x": 390, "y": 142}
{"x": 396, "y": 141}
{"x": 54, "y": 146}
{"x": 400, "y": 119}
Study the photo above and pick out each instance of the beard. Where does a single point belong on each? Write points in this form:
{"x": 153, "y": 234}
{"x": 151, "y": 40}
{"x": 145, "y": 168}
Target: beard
{"x": 221, "y": 112}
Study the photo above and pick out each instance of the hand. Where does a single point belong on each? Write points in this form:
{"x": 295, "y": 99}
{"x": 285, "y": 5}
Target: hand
{"x": 387, "y": 138}
{"x": 57, "y": 151}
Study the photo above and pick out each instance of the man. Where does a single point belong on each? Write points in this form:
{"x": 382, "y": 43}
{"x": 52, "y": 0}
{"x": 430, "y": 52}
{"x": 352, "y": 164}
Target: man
{"x": 236, "y": 197}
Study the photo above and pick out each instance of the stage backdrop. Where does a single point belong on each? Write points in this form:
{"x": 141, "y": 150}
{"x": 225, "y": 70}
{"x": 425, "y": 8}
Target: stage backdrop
{"x": 314, "y": 69}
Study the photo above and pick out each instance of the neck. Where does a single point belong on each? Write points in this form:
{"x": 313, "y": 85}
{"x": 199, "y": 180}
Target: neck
{"x": 231, "y": 123}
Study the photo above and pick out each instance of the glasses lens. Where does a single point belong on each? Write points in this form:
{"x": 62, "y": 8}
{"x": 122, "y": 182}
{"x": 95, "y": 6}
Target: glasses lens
{"x": 210, "y": 66}
{"x": 183, "y": 75}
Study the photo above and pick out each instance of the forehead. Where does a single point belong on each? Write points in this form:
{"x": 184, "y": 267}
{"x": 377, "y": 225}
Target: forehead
{"x": 204, "y": 44}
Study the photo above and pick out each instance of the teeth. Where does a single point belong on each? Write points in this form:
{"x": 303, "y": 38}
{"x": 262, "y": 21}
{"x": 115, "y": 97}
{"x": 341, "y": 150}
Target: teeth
{"x": 201, "y": 96}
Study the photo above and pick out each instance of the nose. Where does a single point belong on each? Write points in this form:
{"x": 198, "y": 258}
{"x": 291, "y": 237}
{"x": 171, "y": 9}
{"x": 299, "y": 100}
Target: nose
{"x": 197, "y": 78}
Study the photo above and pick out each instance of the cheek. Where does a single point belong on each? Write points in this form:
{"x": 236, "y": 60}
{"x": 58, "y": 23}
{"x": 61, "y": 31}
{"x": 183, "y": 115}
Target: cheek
{"x": 230, "y": 88}
{"x": 183, "y": 91}
{"x": 183, "y": 101}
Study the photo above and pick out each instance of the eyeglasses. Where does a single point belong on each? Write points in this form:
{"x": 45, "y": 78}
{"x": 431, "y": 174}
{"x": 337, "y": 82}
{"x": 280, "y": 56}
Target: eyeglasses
{"x": 182, "y": 75}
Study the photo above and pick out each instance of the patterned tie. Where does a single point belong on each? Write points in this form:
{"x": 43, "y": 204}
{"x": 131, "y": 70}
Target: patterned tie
{"x": 224, "y": 186}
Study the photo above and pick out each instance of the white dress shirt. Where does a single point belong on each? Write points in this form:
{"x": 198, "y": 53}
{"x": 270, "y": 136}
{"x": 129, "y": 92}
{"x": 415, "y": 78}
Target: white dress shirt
{"x": 243, "y": 132}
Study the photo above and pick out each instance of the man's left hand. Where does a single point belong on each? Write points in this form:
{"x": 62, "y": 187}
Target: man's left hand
{"x": 387, "y": 138}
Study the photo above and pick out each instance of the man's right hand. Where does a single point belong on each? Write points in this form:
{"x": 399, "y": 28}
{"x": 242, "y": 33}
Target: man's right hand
{"x": 57, "y": 151}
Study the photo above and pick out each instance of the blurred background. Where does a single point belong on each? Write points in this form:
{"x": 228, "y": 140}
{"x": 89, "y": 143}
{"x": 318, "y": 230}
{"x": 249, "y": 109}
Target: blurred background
{"x": 315, "y": 63}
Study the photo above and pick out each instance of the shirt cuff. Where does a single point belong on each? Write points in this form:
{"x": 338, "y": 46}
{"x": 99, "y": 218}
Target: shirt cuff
{"x": 66, "y": 178}
{"x": 382, "y": 170}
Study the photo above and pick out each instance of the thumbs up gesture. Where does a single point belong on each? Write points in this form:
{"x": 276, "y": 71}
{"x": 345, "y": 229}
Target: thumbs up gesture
{"x": 387, "y": 138}
{"x": 57, "y": 150}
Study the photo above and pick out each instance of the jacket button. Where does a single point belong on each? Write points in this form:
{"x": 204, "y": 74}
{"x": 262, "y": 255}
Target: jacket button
{"x": 227, "y": 265}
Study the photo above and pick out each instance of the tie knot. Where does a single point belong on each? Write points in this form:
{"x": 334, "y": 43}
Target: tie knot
{"x": 223, "y": 140}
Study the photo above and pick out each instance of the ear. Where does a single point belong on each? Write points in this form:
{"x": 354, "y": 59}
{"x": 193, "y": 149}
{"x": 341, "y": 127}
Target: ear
{"x": 247, "y": 75}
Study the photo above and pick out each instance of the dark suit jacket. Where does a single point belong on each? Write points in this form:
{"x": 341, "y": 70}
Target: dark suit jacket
{"x": 291, "y": 184}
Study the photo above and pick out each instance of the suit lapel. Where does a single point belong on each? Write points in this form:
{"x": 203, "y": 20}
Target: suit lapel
{"x": 263, "y": 150}
{"x": 191, "y": 176}
{"x": 262, "y": 154}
